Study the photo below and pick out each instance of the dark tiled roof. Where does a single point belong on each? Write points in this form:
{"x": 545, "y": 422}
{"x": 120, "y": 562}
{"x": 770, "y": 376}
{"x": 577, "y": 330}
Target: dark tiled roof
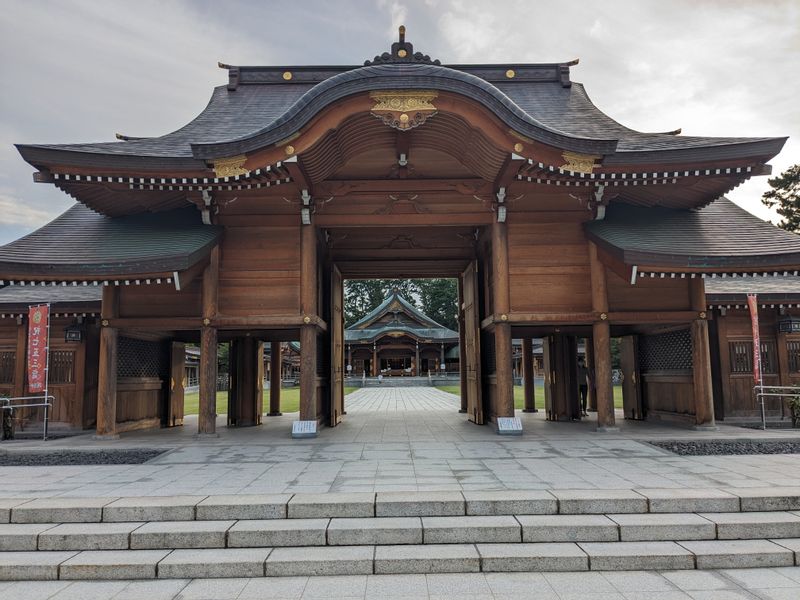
{"x": 258, "y": 114}
{"x": 81, "y": 242}
{"x": 720, "y": 235}
{"x": 56, "y": 295}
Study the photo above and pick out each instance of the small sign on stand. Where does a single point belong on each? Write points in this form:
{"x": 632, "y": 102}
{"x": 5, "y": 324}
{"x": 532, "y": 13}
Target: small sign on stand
{"x": 304, "y": 429}
{"x": 509, "y": 426}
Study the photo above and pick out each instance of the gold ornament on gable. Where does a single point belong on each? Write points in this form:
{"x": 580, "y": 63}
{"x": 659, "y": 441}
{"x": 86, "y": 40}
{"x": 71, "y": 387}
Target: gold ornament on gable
{"x": 230, "y": 167}
{"x": 579, "y": 163}
{"x": 403, "y": 109}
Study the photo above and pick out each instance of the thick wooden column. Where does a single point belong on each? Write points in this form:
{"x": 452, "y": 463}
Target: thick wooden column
{"x": 274, "y": 380}
{"x": 416, "y": 359}
{"x": 601, "y": 340}
{"x": 107, "y": 373}
{"x": 462, "y": 345}
{"x": 701, "y": 357}
{"x": 207, "y": 418}
{"x": 501, "y": 304}
{"x": 527, "y": 375}
{"x": 374, "y": 360}
{"x": 308, "y": 332}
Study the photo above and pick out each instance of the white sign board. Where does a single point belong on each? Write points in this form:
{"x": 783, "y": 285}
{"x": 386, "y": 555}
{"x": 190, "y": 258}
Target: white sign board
{"x": 509, "y": 426}
{"x": 304, "y": 429}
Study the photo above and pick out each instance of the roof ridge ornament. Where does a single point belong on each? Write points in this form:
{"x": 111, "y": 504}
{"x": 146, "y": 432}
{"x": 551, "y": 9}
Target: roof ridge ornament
{"x": 401, "y": 52}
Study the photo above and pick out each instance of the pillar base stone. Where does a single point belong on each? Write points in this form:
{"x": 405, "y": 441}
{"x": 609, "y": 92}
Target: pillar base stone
{"x": 530, "y": 410}
{"x": 705, "y": 428}
{"x": 205, "y": 436}
{"x": 105, "y": 437}
{"x": 274, "y": 414}
{"x": 607, "y": 429}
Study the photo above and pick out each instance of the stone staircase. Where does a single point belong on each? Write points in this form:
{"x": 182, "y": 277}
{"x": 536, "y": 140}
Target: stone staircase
{"x": 397, "y": 532}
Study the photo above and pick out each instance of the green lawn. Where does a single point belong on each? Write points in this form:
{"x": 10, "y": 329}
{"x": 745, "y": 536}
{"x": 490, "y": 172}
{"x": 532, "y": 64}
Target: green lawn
{"x": 290, "y": 401}
{"x": 538, "y": 393}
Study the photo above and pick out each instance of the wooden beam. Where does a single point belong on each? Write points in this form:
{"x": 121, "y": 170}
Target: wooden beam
{"x": 107, "y": 372}
{"x": 275, "y": 366}
{"x": 601, "y": 340}
{"x": 207, "y": 418}
{"x": 701, "y": 357}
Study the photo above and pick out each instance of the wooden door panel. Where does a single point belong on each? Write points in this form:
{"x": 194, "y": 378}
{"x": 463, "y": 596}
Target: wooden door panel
{"x": 337, "y": 347}
{"x": 472, "y": 351}
{"x": 177, "y": 384}
{"x": 632, "y": 404}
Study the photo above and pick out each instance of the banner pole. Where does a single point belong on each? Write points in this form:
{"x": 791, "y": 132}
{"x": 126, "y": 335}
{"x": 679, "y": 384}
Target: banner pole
{"x": 758, "y": 375}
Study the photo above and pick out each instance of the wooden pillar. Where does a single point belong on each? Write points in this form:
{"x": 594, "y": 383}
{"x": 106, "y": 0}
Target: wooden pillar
{"x": 207, "y": 417}
{"x": 601, "y": 340}
{"x": 462, "y": 345}
{"x": 701, "y": 357}
{"x": 275, "y": 361}
{"x": 107, "y": 373}
{"x": 374, "y": 360}
{"x": 591, "y": 396}
{"x": 783, "y": 368}
{"x": 527, "y": 375}
{"x": 416, "y": 359}
{"x": 309, "y": 290}
{"x": 501, "y": 304}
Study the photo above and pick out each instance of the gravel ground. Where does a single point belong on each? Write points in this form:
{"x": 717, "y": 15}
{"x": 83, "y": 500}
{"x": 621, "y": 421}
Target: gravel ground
{"x": 727, "y": 447}
{"x": 134, "y": 456}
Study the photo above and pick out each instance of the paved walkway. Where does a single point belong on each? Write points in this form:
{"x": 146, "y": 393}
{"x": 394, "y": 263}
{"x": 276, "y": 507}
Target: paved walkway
{"x": 387, "y": 442}
{"x": 737, "y": 584}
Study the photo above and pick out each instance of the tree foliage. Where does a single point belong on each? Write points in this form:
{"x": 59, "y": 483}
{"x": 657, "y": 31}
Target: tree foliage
{"x": 437, "y": 298}
{"x": 785, "y": 195}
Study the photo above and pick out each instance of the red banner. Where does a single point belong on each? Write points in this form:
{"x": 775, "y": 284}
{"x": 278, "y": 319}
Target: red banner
{"x": 752, "y": 304}
{"x": 38, "y": 329}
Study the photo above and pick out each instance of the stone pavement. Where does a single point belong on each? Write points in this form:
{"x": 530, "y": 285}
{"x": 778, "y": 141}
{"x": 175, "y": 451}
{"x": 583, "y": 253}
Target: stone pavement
{"x": 766, "y": 584}
{"x": 403, "y": 439}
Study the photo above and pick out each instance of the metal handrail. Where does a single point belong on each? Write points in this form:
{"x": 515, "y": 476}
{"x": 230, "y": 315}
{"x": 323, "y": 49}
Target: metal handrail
{"x": 775, "y": 391}
{"x": 8, "y": 406}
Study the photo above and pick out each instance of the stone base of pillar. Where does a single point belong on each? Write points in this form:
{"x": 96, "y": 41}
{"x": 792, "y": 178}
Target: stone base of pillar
{"x": 274, "y": 414}
{"x": 606, "y": 429}
{"x": 705, "y": 428}
{"x": 530, "y": 410}
{"x": 205, "y": 436}
{"x": 105, "y": 437}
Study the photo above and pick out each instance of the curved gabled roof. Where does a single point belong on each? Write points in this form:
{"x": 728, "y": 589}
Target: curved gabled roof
{"x": 263, "y": 109}
{"x": 368, "y": 329}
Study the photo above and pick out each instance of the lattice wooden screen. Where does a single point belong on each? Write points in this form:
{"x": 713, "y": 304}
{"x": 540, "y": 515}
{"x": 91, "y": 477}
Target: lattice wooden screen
{"x": 62, "y": 366}
{"x": 8, "y": 360}
{"x": 670, "y": 351}
{"x": 142, "y": 358}
{"x": 741, "y": 357}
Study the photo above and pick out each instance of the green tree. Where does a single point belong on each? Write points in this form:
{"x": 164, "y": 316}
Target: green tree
{"x": 438, "y": 299}
{"x": 785, "y": 195}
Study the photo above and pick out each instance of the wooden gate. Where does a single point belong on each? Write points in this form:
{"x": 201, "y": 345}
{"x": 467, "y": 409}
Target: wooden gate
{"x": 337, "y": 347}
{"x": 177, "y": 384}
{"x": 632, "y": 404}
{"x": 472, "y": 351}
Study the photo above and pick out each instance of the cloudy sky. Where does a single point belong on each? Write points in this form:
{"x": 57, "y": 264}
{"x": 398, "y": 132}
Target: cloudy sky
{"x": 81, "y": 70}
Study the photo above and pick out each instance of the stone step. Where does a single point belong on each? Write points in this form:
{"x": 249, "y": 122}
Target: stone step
{"x": 396, "y": 531}
{"x": 396, "y": 504}
{"x": 395, "y": 559}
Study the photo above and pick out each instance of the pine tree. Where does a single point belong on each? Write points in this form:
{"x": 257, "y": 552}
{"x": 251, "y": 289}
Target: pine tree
{"x": 785, "y": 194}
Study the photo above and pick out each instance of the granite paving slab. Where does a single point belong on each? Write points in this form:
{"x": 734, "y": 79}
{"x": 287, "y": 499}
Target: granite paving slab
{"x": 278, "y": 532}
{"x": 209, "y": 563}
{"x": 60, "y": 510}
{"x": 316, "y": 506}
{"x": 664, "y": 527}
{"x": 316, "y": 560}
{"x": 686, "y": 500}
{"x": 375, "y": 531}
{"x": 510, "y": 502}
{"x": 430, "y": 558}
{"x": 627, "y": 556}
{"x": 112, "y": 564}
{"x": 471, "y": 530}
{"x": 599, "y": 501}
{"x": 532, "y": 557}
{"x": 20, "y": 537}
{"x": 87, "y": 536}
{"x": 727, "y": 554}
{"x": 568, "y": 528}
{"x": 419, "y": 504}
{"x": 245, "y": 506}
{"x": 180, "y": 534}
{"x": 21, "y": 566}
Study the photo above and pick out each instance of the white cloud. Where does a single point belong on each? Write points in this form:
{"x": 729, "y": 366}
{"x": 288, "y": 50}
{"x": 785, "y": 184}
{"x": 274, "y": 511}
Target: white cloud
{"x": 16, "y": 211}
